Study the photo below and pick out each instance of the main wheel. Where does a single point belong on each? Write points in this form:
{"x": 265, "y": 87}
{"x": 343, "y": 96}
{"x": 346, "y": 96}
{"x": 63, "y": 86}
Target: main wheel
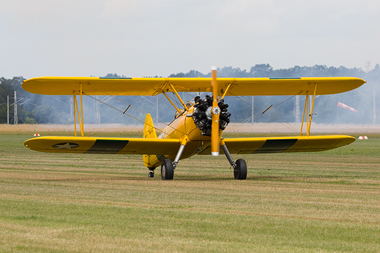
{"x": 240, "y": 171}
{"x": 167, "y": 170}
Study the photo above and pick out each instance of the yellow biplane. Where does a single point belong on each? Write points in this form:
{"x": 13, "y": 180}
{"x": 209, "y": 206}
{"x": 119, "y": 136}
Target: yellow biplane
{"x": 198, "y": 126}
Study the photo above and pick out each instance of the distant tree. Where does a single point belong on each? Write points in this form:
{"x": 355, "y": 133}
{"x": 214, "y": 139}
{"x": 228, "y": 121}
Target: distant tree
{"x": 191, "y": 73}
{"x": 29, "y": 121}
{"x": 261, "y": 70}
{"x": 114, "y": 75}
{"x": 232, "y": 72}
{"x": 44, "y": 114}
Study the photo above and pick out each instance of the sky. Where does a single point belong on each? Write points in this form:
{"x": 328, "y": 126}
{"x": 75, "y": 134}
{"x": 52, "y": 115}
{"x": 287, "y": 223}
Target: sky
{"x": 161, "y": 37}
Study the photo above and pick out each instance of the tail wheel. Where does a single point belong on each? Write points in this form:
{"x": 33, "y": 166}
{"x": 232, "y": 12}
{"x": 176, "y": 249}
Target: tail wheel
{"x": 240, "y": 170}
{"x": 167, "y": 170}
{"x": 151, "y": 172}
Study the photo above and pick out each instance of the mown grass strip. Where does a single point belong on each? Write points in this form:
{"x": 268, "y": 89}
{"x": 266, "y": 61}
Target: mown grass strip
{"x": 324, "y": 202}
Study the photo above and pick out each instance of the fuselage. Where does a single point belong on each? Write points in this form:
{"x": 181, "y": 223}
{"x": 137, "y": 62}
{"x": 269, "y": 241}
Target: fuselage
{"x": 182, "y": 127}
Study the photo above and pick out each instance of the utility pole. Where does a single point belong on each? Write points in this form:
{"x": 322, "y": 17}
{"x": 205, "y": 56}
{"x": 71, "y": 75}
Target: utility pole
{"x": 253, "y": 109}
{"x": 15, "y": 120}
{"x": 97, "y": 111}
{"x": 7, "y": 109}
{"x": 374, "y": 106}
{"x": 94, "y": 111}
{"x": 71, "y": 109}
{"x": 337, "y": 115}
{"x": 297, "y": 109}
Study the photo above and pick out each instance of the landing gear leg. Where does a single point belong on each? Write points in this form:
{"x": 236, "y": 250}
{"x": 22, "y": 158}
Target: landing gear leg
{"x": 167, "y": 167}
{"x": 178, "y": 156}
{"x": 240, "y": 166}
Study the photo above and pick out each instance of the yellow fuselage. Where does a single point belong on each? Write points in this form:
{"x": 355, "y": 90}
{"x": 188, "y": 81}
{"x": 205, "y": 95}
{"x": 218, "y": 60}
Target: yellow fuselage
{"x": 184, "y": 129}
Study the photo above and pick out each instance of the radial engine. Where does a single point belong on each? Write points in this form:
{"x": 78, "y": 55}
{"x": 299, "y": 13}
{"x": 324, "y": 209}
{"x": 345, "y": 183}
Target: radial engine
{"x": 202, "y": 114}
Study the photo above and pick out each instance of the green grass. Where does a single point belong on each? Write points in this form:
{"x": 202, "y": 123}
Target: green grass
{"x": 306, "y": 202}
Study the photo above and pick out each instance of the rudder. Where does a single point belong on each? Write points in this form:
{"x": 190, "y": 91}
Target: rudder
{"x": 149, "y": 130}
{"x": 150, "y": 161}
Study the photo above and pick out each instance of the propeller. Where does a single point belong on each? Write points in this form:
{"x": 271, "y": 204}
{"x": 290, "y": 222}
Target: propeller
{"x": 215, "y": 113}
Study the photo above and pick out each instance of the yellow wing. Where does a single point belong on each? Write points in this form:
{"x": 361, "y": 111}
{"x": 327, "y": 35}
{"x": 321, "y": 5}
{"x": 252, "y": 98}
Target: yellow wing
{"x": 154, "y": 86}
{"x": 98, "y": 145}
{"x": 284, "y": 144}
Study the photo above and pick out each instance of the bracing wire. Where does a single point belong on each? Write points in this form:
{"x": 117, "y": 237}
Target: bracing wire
{"x": 160, "y": 130}
{"x": 145, "y": 113}
{"x": 123, "y": 112}
{"x": 179, "y": 105}
{"x": 256, "y": 114}
{"x": 129, "y": 105}
{"x": 275, "y": 119}
{"x": 173, "y": 98}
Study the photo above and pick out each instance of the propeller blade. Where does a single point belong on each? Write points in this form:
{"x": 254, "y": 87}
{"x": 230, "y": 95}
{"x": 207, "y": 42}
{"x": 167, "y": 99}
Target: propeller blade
{"x": 215, "y": 113}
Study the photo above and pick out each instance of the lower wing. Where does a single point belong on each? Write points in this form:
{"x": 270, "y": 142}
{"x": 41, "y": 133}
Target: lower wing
{"x": 286, "y": 144}
{"x": 92, "y": 145}
{"x": 98, "y": 145}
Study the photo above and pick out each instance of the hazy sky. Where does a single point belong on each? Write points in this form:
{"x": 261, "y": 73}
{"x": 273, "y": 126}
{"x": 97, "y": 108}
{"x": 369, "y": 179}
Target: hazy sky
{"x": 146, "y": 37}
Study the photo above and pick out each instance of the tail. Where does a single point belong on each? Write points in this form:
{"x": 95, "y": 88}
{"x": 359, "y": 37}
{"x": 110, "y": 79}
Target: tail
{"x": 149, "y": 130}
{"x": 150, "y": 161}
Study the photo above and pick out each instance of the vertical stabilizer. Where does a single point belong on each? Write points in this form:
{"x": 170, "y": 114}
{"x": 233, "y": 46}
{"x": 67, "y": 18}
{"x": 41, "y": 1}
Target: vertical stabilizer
{"x": 149, "y": 131}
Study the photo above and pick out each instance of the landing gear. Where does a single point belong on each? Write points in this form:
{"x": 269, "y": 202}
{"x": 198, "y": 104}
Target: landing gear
{"x": 167, "y": 167}
{"x": 167, "y": 170}
{"x": 240, "y": 169}
{"x": 240, "y": 166}
{"x": 151, "y": 173}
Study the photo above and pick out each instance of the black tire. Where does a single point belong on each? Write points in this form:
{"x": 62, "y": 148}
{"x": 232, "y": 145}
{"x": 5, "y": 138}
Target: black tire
{"x": 167, "y": 170}
{"x": 240, "y": 171}
{"x": 151, "y": 172}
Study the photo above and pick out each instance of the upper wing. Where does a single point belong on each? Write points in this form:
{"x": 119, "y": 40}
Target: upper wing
{"x": 285, "y": 144}
{"x": 154, "y": 86}
{"x": 92, "y": 145}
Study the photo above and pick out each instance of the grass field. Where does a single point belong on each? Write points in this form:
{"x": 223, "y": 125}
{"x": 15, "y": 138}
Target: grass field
{"x": 311, "y": 202}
